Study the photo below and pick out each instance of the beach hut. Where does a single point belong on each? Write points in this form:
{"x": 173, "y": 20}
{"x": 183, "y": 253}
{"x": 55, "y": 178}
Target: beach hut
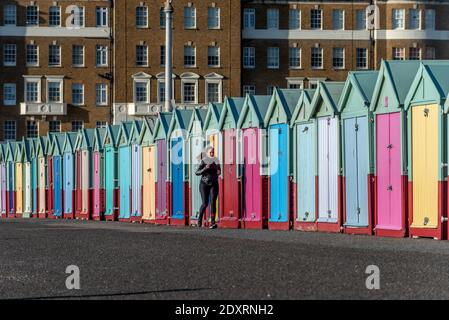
{"x": 125, "y": 170}
{"x": 98, "y": 195}
{"x": 32, "y": 143}
{"x": 110, "y": 144}
{"x": 56, "y": 153}
{"x": 390, "y": 134}
{"x": 325, "y": 113}
{"x": 50, "y": 177}
{"x": 213, "y": 138}
{"x": 230, "y": 185}
{"x": 277, "y": 120}
{"x": 10, "y": 179}
{"x": 160, "y": 140}
{"x": 357, "y": 152}
{"x": 84, "y": 173}
{"x": 427, "y": 149}
{"x": 196, "y": 144}
{"x": 18, "y": 179}
{"x": 3, "y": 180}
{"x": 136, "y": 172}
{"x": 41, "y": 154}
{"x": 305, "y": 174}
{"x": 148, "y": 150}
{"x": 69, "y": 155}
{"x": 178, "y": 174}
{"x": 25, "y": 158}
{"x": 253, "y": 172}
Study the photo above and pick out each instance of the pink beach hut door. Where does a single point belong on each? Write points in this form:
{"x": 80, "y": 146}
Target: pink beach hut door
{"x": 96, "y": 191}
{"x": 252, "y": 180}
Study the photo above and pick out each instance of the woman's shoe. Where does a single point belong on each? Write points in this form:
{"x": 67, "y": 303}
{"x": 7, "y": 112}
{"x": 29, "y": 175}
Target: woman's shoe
{"x": 214, "y": 226}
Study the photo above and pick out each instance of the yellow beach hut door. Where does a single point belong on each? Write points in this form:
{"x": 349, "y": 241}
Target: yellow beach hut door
{"x": 425, "y": 166}
{"x": 149, "y": 185}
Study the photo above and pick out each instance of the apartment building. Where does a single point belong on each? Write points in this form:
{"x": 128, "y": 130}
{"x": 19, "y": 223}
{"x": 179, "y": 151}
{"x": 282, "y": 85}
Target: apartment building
{"x": 55, "y": 66}
{"x": 296, "y": 44}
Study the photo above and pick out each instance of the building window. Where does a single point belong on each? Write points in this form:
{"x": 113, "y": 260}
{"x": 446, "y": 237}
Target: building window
{"x": 101, "y": 92}
{"x": 430, "y": 53}
{"x": 141, "y": 56}
{"x": 54, "y": 16}
{"x": 189, "y": 56}
{"x": 32, "y": 129}
{"x": 78, "y": 20}
{"x": 78, "y": 56}
{"x": 32, "y": 16}
{"x": 338, "y": 58}
{"x": 54, "y": 126}
{"x": 77, "y": 125}
{"x": 270, "y": 90}
{"x": 213, "y": 56}
{"x": 189, "y": 18}
{"x": 189, "y": 92}
{"x": 54, "y": 55}
{"x": 361, "y": 58}
{"x": 272, "y": 19}
{"x": 9, "y": 94}
{"x": 101, "y": 56}
{"x": 273, "y": 58}
{"x": 315, "y": 19}
{"x": 142, "y": 17}
{"x": 317, "y": 58}
{"x": 249, "y": 89}
{"x": 141, "y": 91}
{"x": 249, "y": 57}
{"x": 213, "y": 18}
{"x": 101, "y": 124}
{"x": 162, "y": 18}
{"x": 294, "y": 58}
{"x": 414, "y": 19}
{"x": 415, "y": 53}
{"x": 54, "y": 91}
{"x": 295, "y": 84}
{"x": 294, "y": 19}
{"x": 9, "y": 130}
{"x": 77, "y": 94}
{"x": 249, "y": 18}
{"x": 338, "y": 19}
{"x": 10, "y": 15}
{"x": 313, "y": 84}
{"x": 9, "y": 55}
{"x": 398, "y": 18}
{"x": 102, "y": 17}
{"x": 360, "y": 16}
{"x": 398, "y": 54}
{"x": 430, "y": 19}
{"x": 213, "y": 92}
{"x": 32, "y": 90}
{"x": 32, "y": 55}
{"x": 162, "y": 56}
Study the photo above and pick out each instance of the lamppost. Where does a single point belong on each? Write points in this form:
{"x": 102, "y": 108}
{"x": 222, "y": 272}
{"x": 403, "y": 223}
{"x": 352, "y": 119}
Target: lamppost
{"x": 168, "y": 55}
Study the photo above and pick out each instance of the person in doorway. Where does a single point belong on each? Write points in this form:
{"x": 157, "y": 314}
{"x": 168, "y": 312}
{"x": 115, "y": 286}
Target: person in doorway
{"x": 209, "y": 170}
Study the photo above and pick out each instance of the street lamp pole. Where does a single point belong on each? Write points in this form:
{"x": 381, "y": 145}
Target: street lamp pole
{"x": 168, "y": 55}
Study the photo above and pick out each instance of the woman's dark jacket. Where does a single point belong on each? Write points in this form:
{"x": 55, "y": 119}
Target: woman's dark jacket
{"x": 208, "y": 175}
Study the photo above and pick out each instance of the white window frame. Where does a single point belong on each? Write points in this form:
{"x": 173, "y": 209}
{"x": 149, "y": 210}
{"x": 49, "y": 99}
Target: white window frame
{"x": 102, "y": 52}
{"x": 191, "y": 17}
{"x": 289, "y": 58}
{"x": 145, "y": 79}
{"x": 272, "y": 19}
{"x": 249, "y": 18}
{"x": 294, "y": 19}
{"x": 216, "y": 18}
{"x": 161, "y": 79}
{"x": 213, "y": 78}
{"x": 10, "y": 86}
{"x": 59, "y": 55}
{"x": 419, "y": 51}
{"x": 34, "y": 79}
{"x": 295, "y": 81}
{"x": 344, "y": 58}
{"x": 145, "y": 17}
{"x": 27, "y": 22}
{"x": 398, "y": 19}
{"x": 430, "y": 15}
{"x": 84, "y": 56}
{"x": 15, "y": 129}
{"x": 340, "y": 17}
{"x": 53, "y": 122}
{"x": 189, "y": 78}
{"x": 219, "y": 57}
{"x": 194, "y": 56}
{"x": 410, "y": 19}
{"x": 273, "y": 61}
{"x": 10, "y": 13}
{"x": 101, "y": 17}
{"x": 82, "y": 94}
{"x": 28, "y": 128}
{"x": 56, "y": 79}
{"x": 320, "y": 19}
{"x": 322, "y": 58}
{"x": 357, "y": 59}
{"x": 81, "y": 127}
{"x": 430, "y": 53}
{"x": 5, "y": 47}
{"x": 29, "y": 64}
{"x": 49, "y": 15}
{"x": 106, "y": 87}
{"x": 360, "y": 14}
{"x": 145, "y": 62}
{"x": 249, "y": 89}
{"x": 251, "y": 54}
{"x": 400, "y": 50}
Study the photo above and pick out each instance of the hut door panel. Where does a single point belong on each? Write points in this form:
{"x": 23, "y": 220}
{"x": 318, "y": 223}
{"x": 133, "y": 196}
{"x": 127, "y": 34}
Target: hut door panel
{"x": 85, "y": 175}
{"x": 333, "y": 169}
{"x": 125, "y": 182}
{"x": 19, "y": 188}
{"x": 351, "y": 173}
{"x": 161, "y": 203}
{"x": 136, "y": 180}
{"x": 27, "y": 206}
{"x": 197, "y": 148}
{"x": 68, "y": 183}
{"x": 305, "y": 180}
{"x": 323, "y": 170}
{"x": 97, "y": 183}
{"x": 41, "y": 185}
{"x": 362, "y": 170}
{"x": 252, "y": 179}
{"x": 57, "y": 185}
{"x": 109, "y": 180}
{"x": 395, "y": 173}
{"x": 425, "y": 166}
{"x": 177, "y": 178}
{"x": 230, "y": 184}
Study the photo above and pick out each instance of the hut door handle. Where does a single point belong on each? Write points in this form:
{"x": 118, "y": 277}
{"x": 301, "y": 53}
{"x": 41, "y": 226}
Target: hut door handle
{"x": 305, "y": 129}
{"x": 426, "y": 112}
{"x": 390, "y": 188}
{"x": 390, "y": 146}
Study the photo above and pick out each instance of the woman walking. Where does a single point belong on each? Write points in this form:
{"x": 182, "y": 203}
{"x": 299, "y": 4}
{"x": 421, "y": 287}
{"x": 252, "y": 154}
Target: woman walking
{"x": 209, "y": 170}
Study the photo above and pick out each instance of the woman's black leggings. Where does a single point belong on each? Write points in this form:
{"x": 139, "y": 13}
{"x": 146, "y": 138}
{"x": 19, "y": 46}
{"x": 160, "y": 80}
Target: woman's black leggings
{"x": 208, "y": 192}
